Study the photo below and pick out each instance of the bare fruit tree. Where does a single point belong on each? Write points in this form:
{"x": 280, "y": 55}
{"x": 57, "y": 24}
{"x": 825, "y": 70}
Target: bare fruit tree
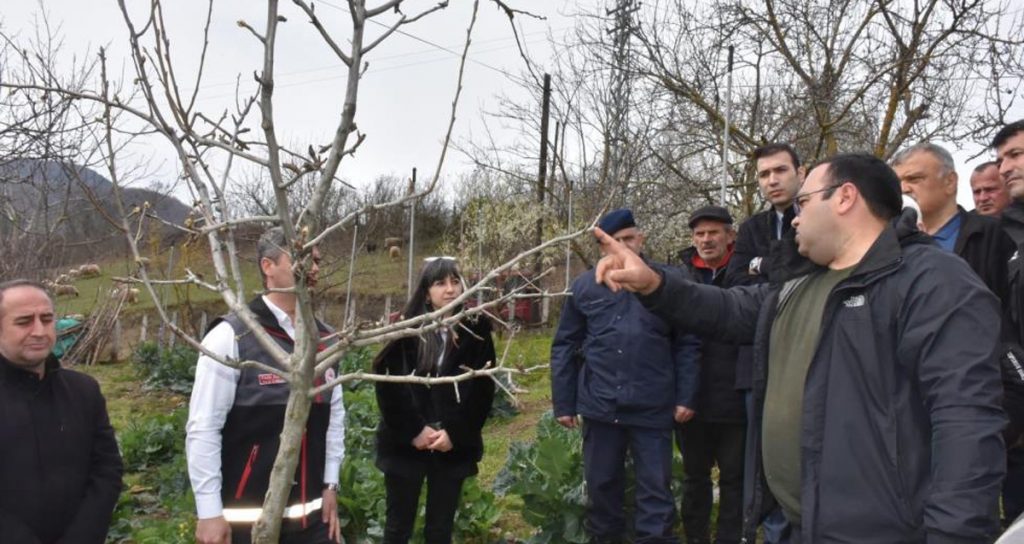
{"x": 303, "y": 188}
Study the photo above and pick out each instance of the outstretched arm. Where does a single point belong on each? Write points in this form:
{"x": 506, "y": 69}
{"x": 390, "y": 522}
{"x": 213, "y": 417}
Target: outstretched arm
{"x": 723, "y": 314}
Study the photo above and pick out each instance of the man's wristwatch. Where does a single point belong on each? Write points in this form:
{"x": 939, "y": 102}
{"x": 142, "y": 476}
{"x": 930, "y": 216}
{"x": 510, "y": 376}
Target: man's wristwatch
{"x": 755, "y": 266}
{"x": 332, "y": 487}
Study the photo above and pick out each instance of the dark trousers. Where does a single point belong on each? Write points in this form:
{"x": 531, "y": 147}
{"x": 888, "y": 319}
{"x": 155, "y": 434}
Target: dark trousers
{"x": 403, "y": 499}
{"x": 604, "y": 466}
{"x": 1013, "y": 485}
{"x": 703, "y": 446}
{"x": 292, "y": 532}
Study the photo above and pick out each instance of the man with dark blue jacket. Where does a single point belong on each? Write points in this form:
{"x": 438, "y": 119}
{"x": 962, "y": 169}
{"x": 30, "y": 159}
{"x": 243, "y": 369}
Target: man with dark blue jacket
{"x": 876, "y": 374}
{"x": 629, "y": 377}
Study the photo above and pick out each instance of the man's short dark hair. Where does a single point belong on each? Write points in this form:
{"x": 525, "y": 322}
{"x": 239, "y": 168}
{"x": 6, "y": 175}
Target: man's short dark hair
{"x": 984, "y": 166}
{"x": 21, "y": 282}
{"x": 1007, "y": 132}
{"x": 775, "y": 148}
{"x": 875, "y": 180}
{"x": 271, "y": 246}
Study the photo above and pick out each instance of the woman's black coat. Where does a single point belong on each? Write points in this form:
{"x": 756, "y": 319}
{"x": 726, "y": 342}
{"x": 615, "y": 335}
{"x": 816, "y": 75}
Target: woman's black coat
{"x": 406, "y": 408}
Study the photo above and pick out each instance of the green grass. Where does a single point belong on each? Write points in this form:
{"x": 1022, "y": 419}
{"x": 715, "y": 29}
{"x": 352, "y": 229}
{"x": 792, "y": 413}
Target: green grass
{"x": 375, "y": 275}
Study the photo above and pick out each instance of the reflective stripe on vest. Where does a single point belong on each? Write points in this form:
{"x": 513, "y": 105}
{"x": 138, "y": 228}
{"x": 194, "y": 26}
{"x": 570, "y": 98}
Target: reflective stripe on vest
{"x": 250, "y": 515}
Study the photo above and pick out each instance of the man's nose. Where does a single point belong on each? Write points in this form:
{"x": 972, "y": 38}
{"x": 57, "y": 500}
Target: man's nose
{"x": 38, "y": 327}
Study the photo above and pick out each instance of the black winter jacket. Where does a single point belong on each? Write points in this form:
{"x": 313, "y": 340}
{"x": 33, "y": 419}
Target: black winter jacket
{"x": 406, "y": 408}
{"x": 60, "y": 469}
{"x": 756, "y": 240}
{"x": 718, "y": 400}
{"x": 901, "y": 424}
{"x": 987, "y": 249}
{"x": 1012, "y": 222}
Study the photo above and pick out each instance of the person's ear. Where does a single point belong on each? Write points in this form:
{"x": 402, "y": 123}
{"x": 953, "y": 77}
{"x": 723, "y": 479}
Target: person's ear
{"x": 951, "y": 182}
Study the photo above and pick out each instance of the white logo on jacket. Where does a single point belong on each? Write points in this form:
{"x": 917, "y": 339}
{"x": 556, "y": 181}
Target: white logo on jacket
{"x": 855, "y": 301}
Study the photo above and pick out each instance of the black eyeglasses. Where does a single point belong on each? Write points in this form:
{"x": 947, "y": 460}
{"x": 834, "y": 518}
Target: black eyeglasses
{"x": 801, "y": 198}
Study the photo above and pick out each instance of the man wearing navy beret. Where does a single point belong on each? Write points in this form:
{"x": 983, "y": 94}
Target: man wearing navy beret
{"x": 628, "y": 376}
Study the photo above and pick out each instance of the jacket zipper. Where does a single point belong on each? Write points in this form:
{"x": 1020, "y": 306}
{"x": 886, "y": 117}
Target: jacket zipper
{"x": 247, "y": 471}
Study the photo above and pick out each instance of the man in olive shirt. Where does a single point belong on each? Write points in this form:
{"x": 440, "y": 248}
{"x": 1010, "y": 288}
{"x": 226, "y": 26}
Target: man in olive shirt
{"x": 793, "y": 339}
{"x": 894, "y": 434}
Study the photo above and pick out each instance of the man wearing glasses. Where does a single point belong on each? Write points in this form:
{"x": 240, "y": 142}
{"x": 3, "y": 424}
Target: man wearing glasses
{"x": 876, "y": 385}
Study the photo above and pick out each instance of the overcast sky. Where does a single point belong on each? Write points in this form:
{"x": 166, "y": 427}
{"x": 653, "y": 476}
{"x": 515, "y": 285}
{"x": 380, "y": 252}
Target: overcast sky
{"x": 405, "y": 95}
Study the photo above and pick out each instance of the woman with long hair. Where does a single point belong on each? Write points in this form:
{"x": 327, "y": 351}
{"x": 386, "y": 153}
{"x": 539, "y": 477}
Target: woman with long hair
{"x": 432, "y": 433}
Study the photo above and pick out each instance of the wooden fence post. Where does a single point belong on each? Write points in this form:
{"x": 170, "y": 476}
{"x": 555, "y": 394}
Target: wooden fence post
{"x": 172, "y": 338}
{"x": 115, "y": 352}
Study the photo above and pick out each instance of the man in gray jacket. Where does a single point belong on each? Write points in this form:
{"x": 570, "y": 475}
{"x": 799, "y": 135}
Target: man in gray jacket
{"x": 876, "y": 380}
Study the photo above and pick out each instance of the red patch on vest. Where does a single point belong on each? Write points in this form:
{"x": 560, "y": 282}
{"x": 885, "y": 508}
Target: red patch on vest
{"x": 270, "y": 379}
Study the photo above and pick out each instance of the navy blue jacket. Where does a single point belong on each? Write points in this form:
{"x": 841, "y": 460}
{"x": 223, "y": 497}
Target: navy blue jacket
{"x": 614, "y": 361}
{"x": 901, "y": 424}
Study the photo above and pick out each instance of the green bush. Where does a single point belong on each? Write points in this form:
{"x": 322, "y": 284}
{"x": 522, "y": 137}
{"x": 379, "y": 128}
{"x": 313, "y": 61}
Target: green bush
{"x": 548, "y": 475}
{"x": 152, "y": 441}
{"x": 156, "y": 505}
{"x": 171, "y": 369}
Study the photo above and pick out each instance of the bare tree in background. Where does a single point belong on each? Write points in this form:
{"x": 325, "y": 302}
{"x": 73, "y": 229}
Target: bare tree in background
{"x": 40, "y": 132}
{"x": 212, "y": 147}
{"x": 826, "y": 75}
{"x": 831, "y": 75}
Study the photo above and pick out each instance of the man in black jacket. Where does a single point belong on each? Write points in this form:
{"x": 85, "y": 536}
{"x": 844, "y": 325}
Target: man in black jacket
{"x": 717, "y": 434}
{"x": 927, "y": 173}
{"x": 878, "y": 358}
{"x": 1009, "y": 146}
{"x": 779, "y": 175}
{"x": 988, "y": 190}
{"x": 60, "y": 474}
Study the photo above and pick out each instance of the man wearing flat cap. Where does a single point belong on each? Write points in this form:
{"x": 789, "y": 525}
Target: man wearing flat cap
{"x": 629, "y": 377}
{"x": 717, "y": 434}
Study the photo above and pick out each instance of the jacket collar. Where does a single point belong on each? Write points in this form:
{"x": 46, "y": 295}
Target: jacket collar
{"x": 1014, "y": 213}
{"x": 692, "y": 257}
{"x": 970, "y": 225}
{"x": 886, "y": 251}
{"x": 269, "y": 320}
{"x": 12, "y": 373}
